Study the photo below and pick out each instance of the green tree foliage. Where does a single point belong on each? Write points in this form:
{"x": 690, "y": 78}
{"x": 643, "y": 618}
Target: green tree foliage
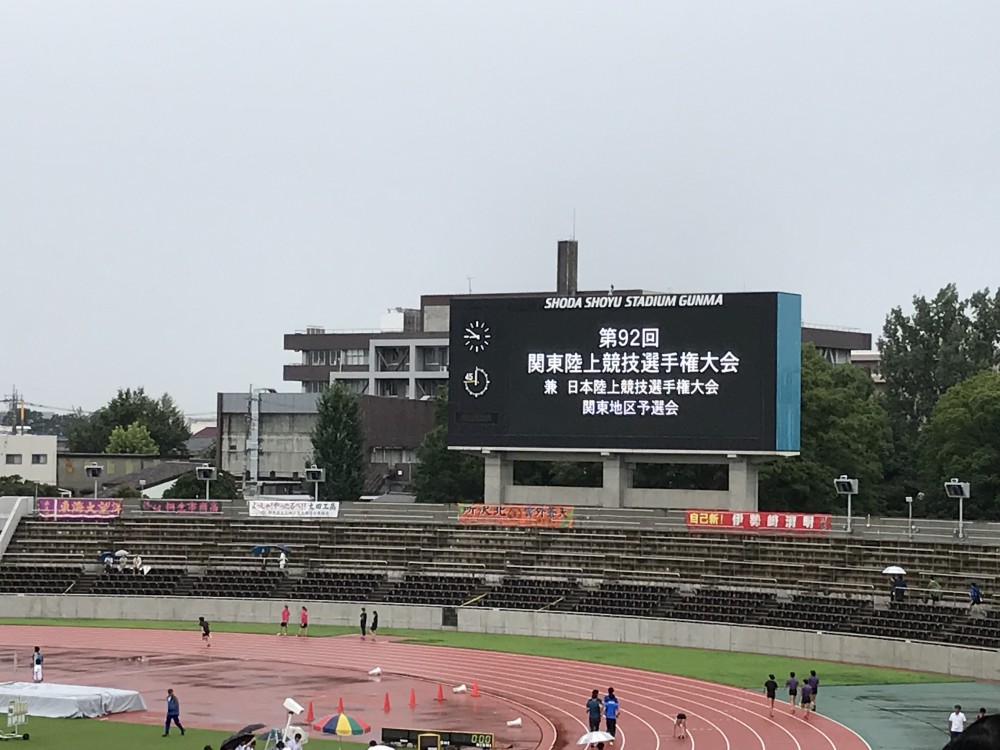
{"x": 134, "y": 439}
{"x": 166, "y": 423}
{"x": 14, "y": 485}
{"x": 962, "y": 440}
{"x": 943, "y": 342}
{"x": 559, "y": 473}
{"x": 124, "y": 491}
{"x": 338, "y": 443}
{"x": 189, "y": 487}
{"x": 845, "y": 430}
{"x": 441, "y": 475}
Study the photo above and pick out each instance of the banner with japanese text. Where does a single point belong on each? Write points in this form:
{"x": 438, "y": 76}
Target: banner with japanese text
{"x": 77, "y": 509}
{"x": 545, "y": 516}
{"x": 728, "y": 520}
{"x": 187, "y": 507}
{"x": 292, "y": 509}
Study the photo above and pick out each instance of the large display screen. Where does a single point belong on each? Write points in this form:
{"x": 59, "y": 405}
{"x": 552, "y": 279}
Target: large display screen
{"x": 714, "y": 373}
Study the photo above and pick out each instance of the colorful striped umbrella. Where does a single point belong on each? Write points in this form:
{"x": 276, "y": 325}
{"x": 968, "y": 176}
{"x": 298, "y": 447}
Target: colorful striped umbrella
{"x": 341, "y": 725}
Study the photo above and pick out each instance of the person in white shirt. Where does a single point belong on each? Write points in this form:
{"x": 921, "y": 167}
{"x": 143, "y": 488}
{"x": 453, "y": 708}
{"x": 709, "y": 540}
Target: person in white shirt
{"x": 282, "y": 560}
{"x": 956, "y": 722}
{"x": 295, "y": 743}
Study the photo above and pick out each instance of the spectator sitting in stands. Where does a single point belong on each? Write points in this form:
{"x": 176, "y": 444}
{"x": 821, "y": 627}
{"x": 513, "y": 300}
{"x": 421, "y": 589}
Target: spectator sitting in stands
{"x": 136, "y": 565}
{"x": 892, "y": 588}
{"x": 122, "y": 562}
{"x": 282, "y": 560}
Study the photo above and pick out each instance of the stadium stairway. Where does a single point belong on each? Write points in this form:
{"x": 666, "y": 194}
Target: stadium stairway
{"x": 85, "y": 583}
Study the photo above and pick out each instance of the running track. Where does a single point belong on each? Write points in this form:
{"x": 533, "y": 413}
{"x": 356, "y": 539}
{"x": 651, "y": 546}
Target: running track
{"x": 552, "y": 692}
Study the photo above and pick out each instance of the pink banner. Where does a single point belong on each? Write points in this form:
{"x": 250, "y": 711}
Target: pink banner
{"x": 187, "y": 507}
{"x": 728, "y": 520}
{"x": 77, "y": 509}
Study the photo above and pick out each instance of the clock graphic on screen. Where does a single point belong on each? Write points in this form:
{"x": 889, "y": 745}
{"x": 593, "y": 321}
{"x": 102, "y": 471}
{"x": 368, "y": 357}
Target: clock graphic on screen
{"x": 477, "y": 336}
{"x": 477, "y": 382}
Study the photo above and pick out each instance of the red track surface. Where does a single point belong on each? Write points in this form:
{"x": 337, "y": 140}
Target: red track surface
{"x": 548, "y": 692}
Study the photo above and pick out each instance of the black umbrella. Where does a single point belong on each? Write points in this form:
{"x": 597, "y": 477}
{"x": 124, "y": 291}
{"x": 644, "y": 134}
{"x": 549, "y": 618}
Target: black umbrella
{"x": 241, "y": 737}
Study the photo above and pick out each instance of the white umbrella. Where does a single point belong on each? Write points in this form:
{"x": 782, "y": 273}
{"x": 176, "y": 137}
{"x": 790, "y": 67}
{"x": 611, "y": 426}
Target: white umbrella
{"x": 894, "y": 570}
{"x": 592, "y": 738}
{"x": 381, "y": 747}
{"x": 122, "y": 553}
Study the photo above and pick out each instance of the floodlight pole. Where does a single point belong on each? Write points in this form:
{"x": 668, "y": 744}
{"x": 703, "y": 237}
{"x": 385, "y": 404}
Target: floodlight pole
{"x": 909, "y": 516}
{"x": 849, "y": 514}
{"x": 208, "y": 483}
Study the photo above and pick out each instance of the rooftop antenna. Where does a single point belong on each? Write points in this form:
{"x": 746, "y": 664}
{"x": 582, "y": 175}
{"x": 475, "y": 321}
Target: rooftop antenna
{"x": 469, "y": 279}
{"x": 574, "y": 225}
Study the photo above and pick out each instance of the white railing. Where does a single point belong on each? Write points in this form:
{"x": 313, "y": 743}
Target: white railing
{"x": 20, "y": 507}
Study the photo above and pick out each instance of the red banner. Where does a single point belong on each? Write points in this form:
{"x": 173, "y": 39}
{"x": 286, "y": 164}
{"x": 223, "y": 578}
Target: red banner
{"x": 187, "y": 507}
{"x": 733, "y": 520}
{"x": 546, "y": 516}
{"x": 77, "y": 509}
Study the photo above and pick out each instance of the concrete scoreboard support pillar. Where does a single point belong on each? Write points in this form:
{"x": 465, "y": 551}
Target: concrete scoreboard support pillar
{"x": 742, "y": 484}
{"x": 498, "y": 472}
{"x": 617, "y": 479}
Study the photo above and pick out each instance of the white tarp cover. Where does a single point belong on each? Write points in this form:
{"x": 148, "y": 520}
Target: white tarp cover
{"x": 70, "y": 701}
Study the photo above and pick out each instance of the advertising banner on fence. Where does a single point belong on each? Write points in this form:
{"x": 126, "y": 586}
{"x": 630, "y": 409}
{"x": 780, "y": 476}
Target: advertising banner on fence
{"x": 292, "y": 509}
{"x": 547, "y": 516}
{"x": 728, "y": 520}
{"x": 187, "y": 507}
{"x": 77, "y": 509}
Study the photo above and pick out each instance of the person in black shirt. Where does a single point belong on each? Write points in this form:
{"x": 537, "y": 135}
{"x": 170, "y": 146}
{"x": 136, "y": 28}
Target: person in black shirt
{"x": 374, "y": 627}
{"x": 771, "y": 690}
{"x": 206, "y": 631}
{"x": 364, "y": 623}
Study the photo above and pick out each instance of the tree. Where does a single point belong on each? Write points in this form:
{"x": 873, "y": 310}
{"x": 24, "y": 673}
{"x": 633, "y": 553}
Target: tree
{"x": 124, "y": 492}
{"x": 338, "y": 443}
{"x": 844, "y": 430}
{"x": 945, "y": 341}
{"x": 442, "y": 475}
{"x": 14, "y": 485}
{"x": 189, "y": 487}
{"x": 166, "y": 423}
{"x": 962, "y": 439}
{"x": 134, "y": 439}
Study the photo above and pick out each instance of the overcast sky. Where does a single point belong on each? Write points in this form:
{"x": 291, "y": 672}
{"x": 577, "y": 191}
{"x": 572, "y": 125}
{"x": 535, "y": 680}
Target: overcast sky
{"x": 181, "y": 183}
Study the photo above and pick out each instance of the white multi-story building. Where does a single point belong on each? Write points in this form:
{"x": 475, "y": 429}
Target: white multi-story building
{"x": 31, "y": 457}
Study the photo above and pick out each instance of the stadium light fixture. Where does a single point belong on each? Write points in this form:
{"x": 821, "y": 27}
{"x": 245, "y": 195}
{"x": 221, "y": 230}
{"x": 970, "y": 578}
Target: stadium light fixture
{"x": 316, "y": 476}
{"x": 956, "y": 490}
{"x": 94, "y": 471}
{"x": 206, "y": 474}
{"x": 849, "y": 487}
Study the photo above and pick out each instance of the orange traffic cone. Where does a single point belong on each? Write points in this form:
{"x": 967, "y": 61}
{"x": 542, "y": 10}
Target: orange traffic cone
{"x": 475, "y": 689}
{"x": 440, "y": 698}
{"x": 413, "y": 698}
{"x": 310, "y": 717}
{"x": 385, "y": 707}
{"x": 340, "y": 705}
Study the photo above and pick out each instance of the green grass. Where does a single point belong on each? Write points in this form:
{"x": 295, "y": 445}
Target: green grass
{"x": 98, "y": 734}
{"x": 727, "y": 668}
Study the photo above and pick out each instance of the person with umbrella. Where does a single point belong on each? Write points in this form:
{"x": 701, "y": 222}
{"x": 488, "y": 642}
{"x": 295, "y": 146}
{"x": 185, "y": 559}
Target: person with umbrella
{"x": 243, "y": 739}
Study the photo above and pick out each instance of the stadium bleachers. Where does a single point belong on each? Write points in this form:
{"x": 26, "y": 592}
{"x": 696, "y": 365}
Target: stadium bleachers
{"x": 822, "y": 583}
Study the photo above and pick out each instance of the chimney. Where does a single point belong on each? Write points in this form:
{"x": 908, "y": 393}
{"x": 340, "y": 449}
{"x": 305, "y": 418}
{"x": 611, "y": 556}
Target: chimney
{"x": 566, "y": 268}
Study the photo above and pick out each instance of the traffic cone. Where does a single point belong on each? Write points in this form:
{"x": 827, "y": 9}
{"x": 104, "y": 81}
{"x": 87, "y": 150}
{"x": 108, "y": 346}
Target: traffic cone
{"x": 310, "y": 718}
{"x": 340, "y": 705}
{"x": 413, "y": 698}
{"x": 440, "y": 697}
{"x": 475, "y": 689}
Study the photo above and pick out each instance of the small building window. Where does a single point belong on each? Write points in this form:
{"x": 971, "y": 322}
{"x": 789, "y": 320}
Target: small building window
{"x": 13, "y": 459}
{"x": 39, "y": 459}
{"x": 356, "y": 357}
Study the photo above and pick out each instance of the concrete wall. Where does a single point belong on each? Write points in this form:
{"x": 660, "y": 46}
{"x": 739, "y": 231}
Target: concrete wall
{"x": 26, "y": 450}
{"x": 806, "y": 645}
